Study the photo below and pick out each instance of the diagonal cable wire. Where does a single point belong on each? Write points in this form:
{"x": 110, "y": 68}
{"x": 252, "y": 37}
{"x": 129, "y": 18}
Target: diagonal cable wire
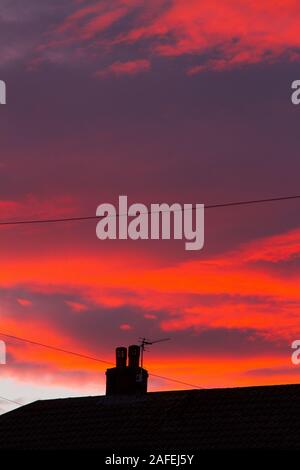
{"x": 66, "y": 351}
{"x": 74, "y": 219}
{"x": 91, "y": 358}
{"x": 95, "y": 217}
{"x": 11, "y": 401}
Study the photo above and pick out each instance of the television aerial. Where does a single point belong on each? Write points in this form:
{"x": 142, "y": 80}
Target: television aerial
{"x": 146, "y": 342}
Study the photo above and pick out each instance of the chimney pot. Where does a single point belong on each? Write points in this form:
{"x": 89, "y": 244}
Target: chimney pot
{"x": 134, "y": 356}
{"x": 121, "y": 357}
{"x": 126, "y": 379}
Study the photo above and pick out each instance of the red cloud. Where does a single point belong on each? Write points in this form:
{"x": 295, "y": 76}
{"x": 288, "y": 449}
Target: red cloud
{"x": 125, "y": 327}
{"x": 244, "y": 295}
{"x": 76, "y": 306}
{"x": 224, "y": 292}
{"x": 24, "y": 302}
{"x": 228, "y": 291}
{"x": 233, "y": 32}
{"x": 131, "y": 67}
{"x": 34, "y": 207}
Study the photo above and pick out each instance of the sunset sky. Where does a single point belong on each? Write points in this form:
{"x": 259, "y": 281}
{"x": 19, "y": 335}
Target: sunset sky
{"x": 163, "y": 101}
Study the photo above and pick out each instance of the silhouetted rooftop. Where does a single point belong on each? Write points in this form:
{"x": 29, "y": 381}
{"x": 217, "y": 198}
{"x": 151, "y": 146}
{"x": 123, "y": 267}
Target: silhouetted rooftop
{"x": 252, "y": 417}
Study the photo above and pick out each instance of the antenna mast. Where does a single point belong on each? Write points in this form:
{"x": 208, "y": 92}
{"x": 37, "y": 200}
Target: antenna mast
{"x": 145, "y": 342}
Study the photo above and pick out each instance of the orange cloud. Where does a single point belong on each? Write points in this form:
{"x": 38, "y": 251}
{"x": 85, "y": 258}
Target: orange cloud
{"x": 229, "y": 291}
{"x": 243, "y": 294}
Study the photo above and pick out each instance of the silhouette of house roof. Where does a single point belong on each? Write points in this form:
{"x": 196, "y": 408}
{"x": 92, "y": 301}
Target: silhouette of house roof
{"x": 238, "y": 418}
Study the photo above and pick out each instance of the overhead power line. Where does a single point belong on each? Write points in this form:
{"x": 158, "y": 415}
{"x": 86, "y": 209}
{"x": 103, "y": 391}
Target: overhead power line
{"x": 252, "y": 201}
{"x": 85, "y": 218}
{"x": 91, "y": 358}
{"x": 176, "y": 381}
{"x": 95, "y": 217}
{"x": 11, "y": 401}
{"x": 35, "y": 343}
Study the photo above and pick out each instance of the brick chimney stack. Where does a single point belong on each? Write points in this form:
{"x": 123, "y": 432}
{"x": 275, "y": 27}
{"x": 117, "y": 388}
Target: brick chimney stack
{"x": 127, "y": 379}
